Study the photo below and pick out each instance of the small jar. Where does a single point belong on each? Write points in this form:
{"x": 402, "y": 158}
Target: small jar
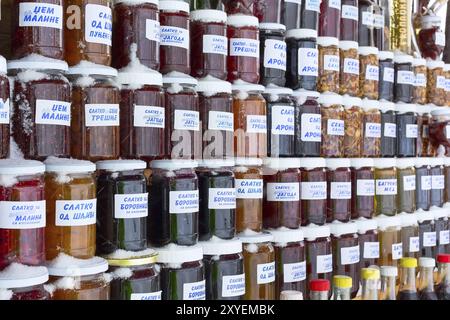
{"x": 406, "y": 181}
{"x": 431, "y": 39}
{"x": 388, "y": 130}
{"x": 259, "y": 266}
{"x": 330, "y": 18}
{"x": 291, "y": 13}
{"x": 410, "y": 235}
{"x": 4, "y": 110}
{"x": 273, "y": 53}
{"x": 174, "y": 37}
{"x": 280, "y": 122}
{"x": 349, "y": 20}
{"x": 250, "y": 120}
{"x": 290, "y": 261}
{"x": 436, "y": 83}
{"x": 78, "y": 279}
{"x": 406, "y": 129}
{"x": 349, "y": 68}
{"x": 20, "y": 282}
{"x": 41, "y": 112}
{"x": 244, "y": 54}
{"x": 329, "y": 60}
{"x": 333, "y": 126}
{"x": 209, "y": 44}
{"x": 446, "y": 180}
{"x": 95, "y": 124}
{"x": 182, "y": 272}
{"x": 437, "y": 182}
{"x": 368, "y": 242}
{"x": 371, "y": 144}
{"x": 385, "y": 187}
{"x": 363, "y": 188}
{"x": 354, "y": 127}
{"x": 423, "y": 184}
{"x": 224, "y": 269}
{"x": 441, "y": 227}
{"x": 419, "y": 93}
{"x": 447, "y": 84}
{"x": 366, "y": 23}
{"x": 302, "y": 59}
{"x": 313, "y": 191}
{"x": 389, "y": 234}
{"x": 249, "y": 194}
{"x": 70, "y": 193}
{"x": 368, "y": 72}
{"x": 427, "y": 233}
{"x": 339, "y": 190}
{"x": 404, "y": 78}
{"x": 387, "y": 76}
{"x": 424, "y": 148}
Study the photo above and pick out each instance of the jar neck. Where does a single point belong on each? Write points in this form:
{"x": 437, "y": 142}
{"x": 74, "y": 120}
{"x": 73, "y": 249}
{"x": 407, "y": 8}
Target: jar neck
{"x": 319, "y": 295}
{"x": 426, "y": 281}
{"x": 370, "y": 289}
{"x": 388, "y": 288}
{"x": 342, "y": 293}
{"x": 408, "y": 279}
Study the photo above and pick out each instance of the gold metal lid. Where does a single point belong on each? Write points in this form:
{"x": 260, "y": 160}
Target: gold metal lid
{"x": 137, "y": 261}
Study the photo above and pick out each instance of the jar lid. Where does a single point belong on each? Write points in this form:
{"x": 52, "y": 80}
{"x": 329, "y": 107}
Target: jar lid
{"x": 173, "y": 6}
{"x": 313, "y": 163}
{"x": 440, "y": 111}
{"x": 37, "y": 62}
{"x": 17, "y": 275}
{"x": 344, "y": 282}
{"x": 319, "y": 285}
{"x": 427, "y": 262}
{"x": 367, "y": 50}
{"x": 439, "y": 213}
{"x": 302, "y": 95}
{"x": 301, "y": 34}
{"x": 365, "y": 225}
{"x": 338, "y": 228}
{"x": 249, "y": 236}
{"x": 423, "y": 215}
{"x": 276, "y": 90}
{"x": 429, "y": 19}
{"x": 178, "y": 77}
{"x": 368, "y": 104}
{"x": 334, "y": 163}
{"x": 403, "y": 58}
{"x": 329, "y": 99}
{"x": 405, "y": 107}
{"x": 67, "y": 266}
{"x": 312, "y": 232}
{"x": 407, "y": 262}
{"x": 327, "y": 41}
{"x": 443, "y": 258}
{"x": 385, "y": 55}
{"x": 218, "y": 247}
{"x": 173, "y": 164}
{"x": 242, "y": 86}
{"x": 404, "y": 163}
{"x": 121, "y": 165}
{"x": 386, "y": 222}
{"x": 3, "y": 68}
{"x": 86, "y": 68}
{"x": 207, "y": 15}
{"x": 435, "y": 162}
{"x": 291, "y": 295}
{"x": 53, "y": 164}
{"x": 386, "y": 106}
{"x": 241, "y": 20}
{"x": 433, "y": 64}
{"x": 419, "y": 62}
{"x": 282, "y": 163}
{"x": 347, "y": 45}
{"x": 173, "y": 253}
{"x": 216, "y": 163}
{"x": 361, "y": 162}
{"x": 213, "y": 85}
{"x": 349, "y": 101}
{"x": 150, "y": 77}
{"x": 248, "y": 161}
{"x": 423, "y": 109}
{"x": 21, "y": 167}
{"x": 408, "y": 219}
{"x": 370, "y": 274}
{"x": 122, "y": 258}
{"x": 285, "y": 235}
{"x": 388, "y": 271}
{"x": 272, "y": 26}
{"x": 382, "y": 163}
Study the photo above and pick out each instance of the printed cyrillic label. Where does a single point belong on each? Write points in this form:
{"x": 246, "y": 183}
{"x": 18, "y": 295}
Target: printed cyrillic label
{"x": 420, "y": 80}
{"x": 53, "y": 112}
{"x": 371, "y": 250}
{"x": 414, "y": 244}
{"x": 388, "y": 75}
{"x": 244, "y": 47}
{"x": 373, "y": 130}
{"x": 397, "y": 251}
{"x": 174, "y": 37}
{"x": 314, "y": 190}
{"x": 390, "y": 130}
{"x": 222, "y": 198}
{"x": 409, "y": 183}
{"x": 102, "y": 115}
{"x": 183, "y": 201}
{"x": 365, "y": 187}
{"x": 331, "y": 62}
{"x": 70, "y": 213}
{"x": 349, "y": 12}
{"x": 149, "y": 117}
{"x": 349, "y": 255}
{"x": 325, "y": 263}
{"x": 283, "y": 120}
{"x": 215, "y": 44}
{"x": 405, "y": 77}
{"x": 311, "y": 127}
{"x": 146, "y": 296}
{"x": 256, "y": 124}
{"x": 22, "y": 214}
{"x": 367, "y": 18}
{"x": 219, "y": 120}
{"x": 194, "y": 291}
{"x": 386, "y": 187}
{"x": 128, "y": 206}
{"x": 294, "y": 272}
{"x": 275, "y": 54}
{"x": 249, "y": 188}
{"x": 98, "y": 24}
{"x": 287, "y": 191}
{"x": 426, "y": 183}
{"x": 4, "y": 111}
{"x": 233, "y": 286}
{"x": 351, "y": 66}
{"x": 265, "y": 272}
{"x": 335, "y": 127}
{"x": 40, "y": 14}
{"x": 186, "y": 120}
{"x": 308, "y": 62}
{"x": 153, "y": 32}
{"x": 444, "y": 237}
{"x": 341, "y": 190}
{"x": 372, "y": 72}
{"x": 438, "y": 182}
{"x": 313, "y": 5}
{"x": 429, "y": 239}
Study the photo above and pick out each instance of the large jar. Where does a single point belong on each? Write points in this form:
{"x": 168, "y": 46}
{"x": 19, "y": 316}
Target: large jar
{"x": 4, "y": 110}
{"x": 330, "y": 18}
{"x": 309, "y": 14}
{"x": 20, "y": 282}
{"x": 368, "y": 72}
{"x": 423, "y": 184}
{"x": 380, "y": 27}
{"x": 431, "y": 39}
{"x": 406, "y": 119}
{"x": 339, "y": 190}
{"x": 349, "y": 20}
{"x": 366, "y": 23}
{"x": 333, "y": 127}
{"x": 385, "y": 187}
{"x": 349, "y": 68}
{"x": 291, "y": 13}
{"x": 404, "y": 78}
{"x": 427, "y": 233}
{"x": 424, "y": 147}
{"x": 388, "y": 130}
{"x": 389, "y": 234}
{"x": 313, "y": 191}
{"x": 371, "y": 143}
{"x": 273, "y": 52}
{"x": 363, "y": 188}
{"x": 441, "y": 227}
{"x": 354, "y": 129}
{"x": 420, "y": 81}
{"x": 70, "y": 192}
{"x": 41, "y": 108}
{"x": 437, "y": 181}
{"x": 368, "y": 242}
{"x": 387, "y": 76}
{"x": 410, "y": 235}
{"x": 329, "y": 61}
{"x": 406, "y": 182}
{"x": 436, "y": 83}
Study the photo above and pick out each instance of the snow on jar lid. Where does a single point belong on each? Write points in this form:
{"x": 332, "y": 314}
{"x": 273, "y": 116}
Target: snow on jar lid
{"x": 138, "y": 76}
{"x": 347, "y": 45}
{"x": 301, "y": 34}
{"x": 122, "y": 258}
{"x": 282, "y": 163}
{"x": 207, "y": 15}
{"x": 249, "y": 236}
{"x": 173, "y": 6}
{"x": 211, "y": 86}
{"x": 242, "y": 86}
{"x": 86, "y": 68}
{"x": 327, "y": 41}
{"x": 173, "y": 164}
{"x": 175, "y": 77}
{"x": 284, "y": 235}
{"x": 173, "y": 253}
{"x": 329, "y": 99}
{"x": 61, "y": 165}
{"x": 348, "y": 101}
{"x": 18, "y": 167}
{"x": 365, "y": 225}
{"x": 302, "y": 95}
{"x": 311, "y": 163}
{"x": 68, "y": 266}
{"x": 433, "y": 64}
{"x": 272, "y": 26}
{"x": 241, "y": 20}
{"x": 402, "y": 108}
{"x": 421, "y": 162}
{"x": 361, "y": 162}
{"x": 404, "y": 163}
{"x": 385, "y": 55}
{"x": 37, "y": 62}
{"x": 121, "y": 165}
{"x": 338, "y": 228}
{"x": 435, "y": 162}
{"x": 423, "y": 215}
{"x": 428, "y": 21}
{"x": 403, "y": 58}
{"x": 439, "y": 213}
{"x": 440, "y": 111}
{"x": 388, "y": 271}
{"x": 2, "y": 65}
{"x": 217, "y": 247}
{"x": 423, "y": 109}
{"x": 365, "y": 51}
{"x": 386, "y": 106}
{"x": 408, "y": 219}
{"x": 216, "y": 163}
{"x": 136, "y": 2}
{"x": 248, "y": 161}
{"x": 385, "y": 222}
{"x": 334, "y": 163}
{"x": 276, "y": 90}
{"x": 368, "y": 104}
{"x": 312, "y": 232}
{"x": 383, "y": 163}
{"x": 419, "y": 62}
{"x": 17, "y": 275}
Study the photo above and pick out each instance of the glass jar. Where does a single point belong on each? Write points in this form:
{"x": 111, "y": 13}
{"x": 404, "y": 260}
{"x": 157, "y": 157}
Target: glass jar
{"x": 290, "y": 261}
{"x": 136, "y": 31}
{"x": 366, "y": 23}
{"x": 259, "y": 266}
{"x": 280, "y": 122}
{"x": 447, "y": 84}
{"x": 404, "y": 78}
{"x": 424, "y": 148}
{"x": 291, "y": 13}
{"x": 4, "y": 110}
{"x": 379, "y": 24}
{"x": 441, "y": 227}
{"x": 436, "y": 83}
{"x": 282, "y": 206}
{"x": 70, "y": 193}
{"x": 406, "y": 129}
{"x": 419, "y": 93}
{"x": 224, "y": 269}
{"x": 410, "y": 235}
{"x": 183, "y": 134}
{"x": 339, "y": 190}
{"x": 88, "y": 31}
{"x": 174, "y": 203}
{"x": 330, "y": 18}
{"x": 371, "y": 144}
{"x": 268, "y": 11}
{"x": 319, "y": 289}
{"x": 342, "y": 287}
{"x": 437, "y": 181}
{"x": 175, "y": 37}
{"x": 431, "y": 39}
{"x": 20, "y": 282}
{"x": 447, "y": 180}
{"x": 22, "y": 228}
{"x": 423, "y": 184}
{"x": 439, "y": 130}
{"x": 385, "y": 187}
{"x": 41, "y": 108}
{"x": 406, "y": 181}
{"x": 142, "y": 115}
{"x": 368, "y": 72}
{"x": 349, "y": 68}
{"x": 216, "y": 117}
{"x": 388, "y": 130}
{"x": 78, "y": 279}
{"x": 217, "y": 215}
{"x": 302, "y": 59}
{"x": 273, "y": 53}
{"x": 250, "y": 120}
{"x": 389, "y": 235}
{"x": 427, "y": 233}
{"x": 329, "y": 60}
{"x": 244, "y": 55}
{"x": 363, "y": 190}
{"x": 333, "y": 127}
{"x": 313, "y": 191}
{"x": 95, "y": 124}
{"x": 368, "y": 242}
{"x": 387, "y": 76}
{"x": 354, "y": 129}
{"x": 346, "y": 252}
{"x": 209, "y": 44}
{"x": 249, "y": 194}
{"x": 349, "y": 20}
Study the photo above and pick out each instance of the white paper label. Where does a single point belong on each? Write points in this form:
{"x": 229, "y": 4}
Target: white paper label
{"x": 146, "y": 296}
{"x": 429, "y": 239}
{"x": 102, "y": 115}
{"x": 325, "y": 263}
{"x": 215, "y": 44}
{"x": 71, "y": 213}
{"x": 411, "y": 131}
{"x": 283, "y": 192}
{"x": 233, "y": 286}
{"x": 440, "y": 82}
{"x": 283, "y": 120}
{"x": 336, "y": 4}
{"x": 372, "y": 72}
{"x": 371, "y": 250}
{"x": 308, "y": 62}
{"x": 420, "y": 80}
{"x": 275, "y": 54}
{"x": 22, "y": 214}
{"x": 244, "y": 47}
{"x": 341, "y": 190}
{"x": 378, "y": 21}
{"x": 299, "y": 2}
{"x": 409, "y": 183}
{"x": 311, "y": 130}
{"x": 313, "y": 5}
{"x": 219, "y": 120}
{"x": 314, "y": 190}
{"x": 98, "y": 24}
{"x": 335, "y": 127}
{"x": 294, "y": 272}
{"x": 349, "y": 255}
{"x": 349, "y": 12}
{"x": 183, "y": 201}
{"x": 128, "y": 206}
{"x": 447, "y": 85}
{"x": 447, "y": 131}
{"x": 149, "y": 117}
{"x": 331, "y": 62}
{"x": 194, "y": 291}
{"x": 414, "y": 244}
{"x": 438, "y": 182}
{"x": 174, "y": 37}
{"x": 52, "y": 112}
{"x": 373, "y": 130}
{"x": 388, "y": 75}
{"x": 390, "y": 130}
{"x": 4, "y": 111}
{"x": 365, "y": 187}
{"x": 351, "y": 66}
{"x": 385, "y": 187}
{"x": 397, "y": 251}
{"x": 367, "y": 18}
{"x": 40, "y": 14}
{"x": 256, "y": 124}
{"x": 249, "y": 188}
{"x": 153, "y": 32}
{"x": 265, "y": 273}
{"x": 405, "y": 77}
{"x": 444, "y": 237}
{"x": 440, "y": 39}
{"x": 426, "y": 183}
{"x": 222, "y": 198}
{"x": 186, "y": 120}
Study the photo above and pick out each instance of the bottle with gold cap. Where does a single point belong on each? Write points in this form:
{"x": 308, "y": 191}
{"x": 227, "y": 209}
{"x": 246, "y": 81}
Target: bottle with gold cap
{"x": 342, "y": 287}
{"x": 388, "y": 283}
{"x": 370, "y": 279}
{"x": 291, "y": 295}
{"x": 426, "y": 279}
{"x": 407, "y": 289}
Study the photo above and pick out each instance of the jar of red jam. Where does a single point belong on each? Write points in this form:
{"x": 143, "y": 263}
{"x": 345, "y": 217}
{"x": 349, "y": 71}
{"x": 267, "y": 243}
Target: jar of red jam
{"x": 142, "y": 115}
{"x": 175, "y": 38}
{"x": 136, "y": 28}
{"x": 22, "y": 223}
{"x": 273, "y": 51}
{"x": 20, "y": 282}
{"x": 349, "y": 20}
{"x": 339, "y": 190}
{"x": 37, "y": 28}
{"x": 244, "y": 55}
{"x": 330, "y": 18}
{"x": 313, "y": 191}
{"x": 424, "y": 147}
{"x": 368, "y": 242}
{"x": 4, "y": 110}
{"x": 41, "y": 108}
{"x": 209, "y": 44}
{"x": 363, "y": 188}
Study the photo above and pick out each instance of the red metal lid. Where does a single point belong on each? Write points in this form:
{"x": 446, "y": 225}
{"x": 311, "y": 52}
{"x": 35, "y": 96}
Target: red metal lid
{"x": 443, "y": 258}
{"x": 319, "y": 285}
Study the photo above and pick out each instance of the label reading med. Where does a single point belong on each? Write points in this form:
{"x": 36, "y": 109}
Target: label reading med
{"x": 388, "y": 75}
{"x": 256, "y": 124}
{"x": 314, "y": 190}
{"x": 275, "y": 54}
{"x": 174, "y": 37}
{"x": 429, "y": 239}
{"x": 405, "y": 77}
{"x": 426, "y": 183}
{"x": 222, "y": 198}
{"x": 183, "y": 201}
{"x": 420, "y": 80}
{"x": 146, "y": 296}
{"x": 409, "y": 183}
{"x": 414, "y": 244}
{"x": 438, "y": 182}
{"x": 102, "y": 115}
{"x": 194, "y": 291}
{"x": 249, "y": 188}
{"x": 341, "y": 190}
{"x": 411, "y": 131}
{"x": 265, "y": 273}
{"x": 325, "y": 263}
{"x": 331, "y": 62}
{"x": 244, "y": 47}
{"x": 70, "y": 213}
{"x": 152, "y": 30}
{"x": 282, "y": 192}
{"x": 373, "y": 130}
{"x": 128, "y": 206}
{"x": 186, "y": 120}
{"x": 311, "y": 127}
{"x": 294, "y": 272}
{"x": 349, "y": 255}
{"x": 313, "y": 5}
{"x": 397, "y": 251}
{"x": 219, "y": 120}
{"x": 365, "y": 187}
{"x": 52, "y": 112}
{"x": 233, "y": 286}
{"x": 386, "y": 187}
{"x": 335, "y": 127}
{"x": 40, "y": 14}
{"x": 351, "y": 66}
{"x": 283, "y": 120}
{"x": 308, "y": 62}
{"x": 4, "y": 111}
{"x": 371, "y": 250}
{"x": 349, "y": 12}
{"x": 22, "y": 214}
{"x": 149, "y": 117}
{"x": 372, "y": 72}
{"x": 444, "y": 237}
{"x": 390, "y": 130}
{"x": 215, "y": 44}
{"x": 98, "y": 24}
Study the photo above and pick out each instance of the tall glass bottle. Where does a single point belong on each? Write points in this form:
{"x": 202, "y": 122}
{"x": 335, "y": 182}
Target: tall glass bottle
{"x": 342, "y": 287}
{"x": 443, "y": 281}
{"x": 426, "y": 279}
{"x": 370, "y": 278}
{"x": 388, "y": 282}
{"x": 319, "y": 289}
{"x": 407, "y": 289}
